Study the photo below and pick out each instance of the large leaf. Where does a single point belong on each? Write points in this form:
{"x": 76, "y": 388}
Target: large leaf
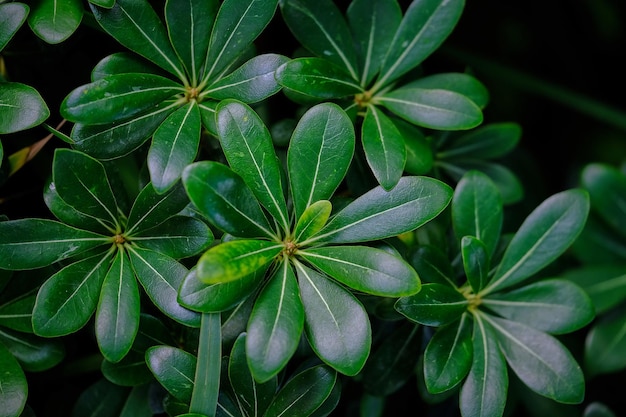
{"x": 434, "y": 305}
{"x": 337, "y": 325}
{"x": 540, "y": 361}
{"x": 14, "y": 385}
{"x": 461, "y": 83}
{"x": 607, "y": 188}
{"x": 224, "y": 198}
{"x": 12, "y": 17}
{"x": 34, "y": 353}
{"x": 553, "y": 306}
{"x": 34, "y": 243}
{"x": 135, "y": 24}
{"x": 151, "y": 209}
{"x": 174, "y": 369}
{"x": 117, "y": 98}
{"x": 55, "y": 20}
{"x": 123, "y": 63}
{"x": 178, "y": 237}
{"x": 21, "y": 106}
{"x": 68, "y": 299}
{"x": 545, "y": 234}
{"x": 275, "y": 325}
{"x": 250, "y": 153}
{"x": 237, "y": 25}
{"x": 365, "y": 269}
{"x": 426, "y": 24}
{"x": 379, "y": 214}
{"x": 320, "y": 152}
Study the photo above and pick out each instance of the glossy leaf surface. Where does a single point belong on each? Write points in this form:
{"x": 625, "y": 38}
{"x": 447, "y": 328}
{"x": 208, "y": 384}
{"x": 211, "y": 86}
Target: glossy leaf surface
{"x": 435, "y": 305}
{"x": 174, "y": 369}
{"x": 457, "y": 82}
{"x": 123, "y": 63}
{"x": 12, "y": 17}
{"x": 34, "y": 353}
{"x": 312, "y": 220}
{"x": 318, "y": 78}
{"x": 151, "y": 209}
{"x": 476, "y": 262}
{"x": 22, "y": 107}
{"x": 15, "y": 386}
{"x": 178, "y": 237}
{"x": 490, "y": 141}
{"x": 54, "y": 21}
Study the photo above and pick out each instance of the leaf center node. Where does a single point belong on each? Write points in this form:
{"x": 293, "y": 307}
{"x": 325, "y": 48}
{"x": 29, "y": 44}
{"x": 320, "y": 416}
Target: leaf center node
{"x": 119, "y": 239}
{"x": 363, "y": 99}
{"x": 290, "y": 248}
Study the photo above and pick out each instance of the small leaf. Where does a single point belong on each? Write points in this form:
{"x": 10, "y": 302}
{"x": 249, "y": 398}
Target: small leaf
{"x": 490, "y": 141}
{"x": 54, "y": 21}
{"x": 476, "y": 262}
{"x": 463, "y": 84}
{"x": 178, "y": 237}
{"x": 419, "y": 153}
{"x": 22, "y": 107}
{"x": 312, "y": 220}
{"x": 14, "y": 384}
{"x": 151, "y": 209}
{"x": 122, "y": 63}
{"x": 545, "y": 234}
{"x": 174, "y": 369}
{"x": 606, "y": 186}
{"x": 236, "y": 259}
{"x": 275, "y": 325}
{"x": 337, "y": 325}
{"x": 434, "y": 305}
{"x": 12, "y": 17}
{"x": 369, "y": 270}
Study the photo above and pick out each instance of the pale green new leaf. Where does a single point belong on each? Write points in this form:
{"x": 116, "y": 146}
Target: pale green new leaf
{"x": 312, "y": 220}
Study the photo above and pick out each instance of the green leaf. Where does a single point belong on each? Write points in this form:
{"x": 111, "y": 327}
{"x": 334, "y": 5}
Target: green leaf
{"x": 207, "y": 113}
{"x": 320, "y": 27}
{"x": 379, "y": 214}
{"x": 68, "y": 299}
{"x": 100, "y": 392}
{"x": 17, "y": 300}
{"x": 55, "y": 20}
{"x": 82, "y": 182}
{"x": 384, "y": 147}
{"x": 275, "y": 325}
{"x": 117, "y": 314}
{"x": 484, "y": 391}
{"x": 463, "y": 84}
{"x": 117, "y": 98}
{"x": 178, "y": 237}
{"x": 174, "y": 146}
{"x": 605, "y": 344}
{"x": 476, "y": 262}
{"x": 432, "y": 265}
{"x": 607, "y": 187}
{"x": 336, "y": 323}
{"x": 174, "y": 369}
{"x": 304, "y": 393}
{"x": 540, "y": 361}
{"x": 135, "y": 24}
{"x": 188, "y": 24}
{"x": 12, "y": 17}
{"x": 596, "y": 409}
{"x": 34, "y": 353}
{"x": 490, "y": 141}
{"x": 207, "y": 377}
{"x": 434, "y": 109}
{"x": 14, "y": 385}
{"x": 365, "y": 269}
{"x": 507, "y": 182}
{"x": 605, "y": 293}
{"x": 545, "y": 234}
{"x": 22, "y": 107}
{"x": 122, "y": 63}
{"x": 318, "y": 78}
{"x": 248, "y": 147}
{"x": 161, "y": 276}
{"x": 319, "y": 154}
{"x": 426, "y": 24}
{"x": 555, "y": 306}
{"x": 151, "y": 209}
{"x": 130, "y": 371}
{"x": 252, "y": 82}
{"x": 34, "y": 243}
{"x": 223, "y": 197}
{"x": 448, "y": 356}
{"x": 236, "y": 259}
{"x": 137, "y": 403}
{"x": 373, "y": 25}
{"x": 312, "y": 220}
{"x": 434, "y": 305}
{"x": 237, "y": 25}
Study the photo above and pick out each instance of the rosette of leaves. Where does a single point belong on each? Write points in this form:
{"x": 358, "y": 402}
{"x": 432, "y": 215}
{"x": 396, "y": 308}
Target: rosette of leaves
{"x": 201, "y": 55}
{"x": 101, "y": 254}
{"x": 485, "y": 311}
{"x": 367, "y": 63}
{"x": 283, "y": 239}
{"x": 602, "y": 250}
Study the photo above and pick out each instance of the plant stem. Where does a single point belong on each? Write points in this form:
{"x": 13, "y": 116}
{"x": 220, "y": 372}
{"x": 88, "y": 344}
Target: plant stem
{"x": 207, "y": 379}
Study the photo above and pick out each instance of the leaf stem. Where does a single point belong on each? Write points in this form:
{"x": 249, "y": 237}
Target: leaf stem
{"x": 207, "y": 379}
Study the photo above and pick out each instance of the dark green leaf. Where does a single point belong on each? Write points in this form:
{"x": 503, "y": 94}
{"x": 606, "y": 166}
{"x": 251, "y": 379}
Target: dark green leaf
{"x": 419, "y": 153}
{"x": 605, "y": 344}
{"x": 101, "y": 392}
{"x": 476, "y": 262}
{"x": 174, "y": 369}
{"x": 68, "y": 299}
{"x": 434, "y": 305}
{"x": 224, "y": 198}
{"x": 250, "y": 83}
{"x": 17, "y": 301}
{"x": 605, "y": 293}
{"x": 432, "y": 265}
{"x": 379, "y": 214}
{"x": 34, "y": 243}
{"x": 130, "y": 371}
{"x": 507, "y": 182}
{"x": 35, "y": 354}
{"x": 426, "y": 24}
{"x": 12, "y": 17}
{"x": 122, "y": 63}
{"x": 448, "y": 356}
{"x": 607, "y": 188}
{"x": 178, "y": 237}
{"x": 22, "y": 107}
{"x": 275, "y": 325}
{"x": 599, "y": 244}
{"x": 490, "y": 141}
{"x": 117, "y": 314}
{"x": 365, "y": 269}
{"x": 248, "y": 147}
{"x": 134, "y": 24}
{"x": 313, "y": 219}
{"x": 14, "y": 385}
{"x": 151, "y": 209}
{"x": 540, "y": 361}
{"x": 553, "y": 306}
{"x": 207, "y": 114}
{"x": 117, "y": 98}
{"x": 304, "y": 393}
{"x": 320, "y": 27}
{"x": 337, "y": 325}
{"x": 384, "y": 147}
{"x": 596, "y": 409}
{"x": 545, "y": 234}
{"x": 434, "y": 109}
{"x": 457, "y": 82}
{"x": 161, "y": 276}
{"x": 174, "y": 146}
{"x": 320, "y": 152}
{"x": 318, "y": 78}
{"x": 54, "y": 21}
{"x": 138, "y": 403}
{"x": 207, "y": 377}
